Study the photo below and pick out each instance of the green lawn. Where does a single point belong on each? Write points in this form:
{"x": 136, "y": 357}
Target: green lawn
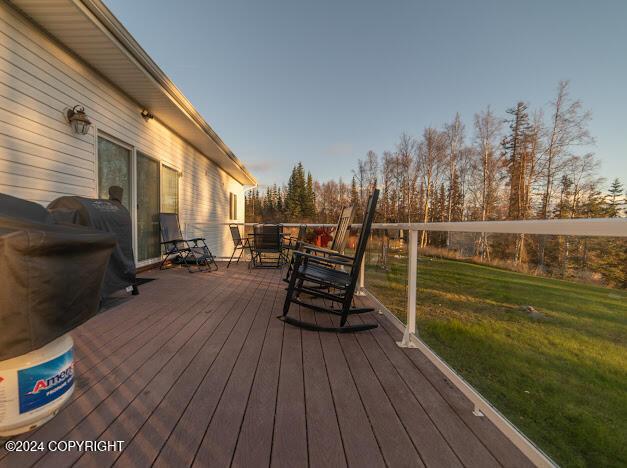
{"x": 561, "y": 378}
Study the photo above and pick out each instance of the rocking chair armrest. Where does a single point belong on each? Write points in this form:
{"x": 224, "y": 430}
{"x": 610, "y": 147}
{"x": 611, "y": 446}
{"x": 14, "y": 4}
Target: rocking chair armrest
{"x": 322, "y": 260}
{"x": 322, "y": 250}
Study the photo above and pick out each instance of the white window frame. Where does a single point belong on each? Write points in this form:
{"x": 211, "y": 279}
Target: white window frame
{"x": 233, "y": 211}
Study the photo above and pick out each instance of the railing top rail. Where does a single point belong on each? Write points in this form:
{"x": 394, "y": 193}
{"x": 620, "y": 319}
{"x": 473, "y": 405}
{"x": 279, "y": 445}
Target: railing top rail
{"x": 605, "y": 227}
{"x": 609, "y": 227}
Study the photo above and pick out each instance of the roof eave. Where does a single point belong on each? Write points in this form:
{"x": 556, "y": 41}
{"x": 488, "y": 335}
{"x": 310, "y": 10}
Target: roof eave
{"x": 106, "y": 18}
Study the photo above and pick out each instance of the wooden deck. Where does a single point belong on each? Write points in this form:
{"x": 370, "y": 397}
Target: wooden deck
{"x": 196, "y": 370}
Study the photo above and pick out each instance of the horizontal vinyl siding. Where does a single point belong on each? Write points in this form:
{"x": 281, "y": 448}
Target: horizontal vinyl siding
{"x": 42, "y": 159}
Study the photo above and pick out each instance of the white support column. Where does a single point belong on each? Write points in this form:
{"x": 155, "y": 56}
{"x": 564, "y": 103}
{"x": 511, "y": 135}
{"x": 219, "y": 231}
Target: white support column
{"x": 362, "y": 275}
{"x": 412, "y": 267}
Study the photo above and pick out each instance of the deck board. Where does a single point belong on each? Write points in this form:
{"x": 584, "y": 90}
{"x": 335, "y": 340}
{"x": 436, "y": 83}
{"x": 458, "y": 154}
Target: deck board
{"x": 196, "y": 370}
{"x": 490, "y": 436}
{"x": 220, "y": 437}
{"x": 254, "y": 445}
{"x": 360, "y": 444}
{"x": 396, "y": 446}
{"x": 431, "y": 445}
{"x": 462, "y": 440}
{"x": 323, "y": 432}
{"x": 149, "y": 439}
{"x": 182, "y": 444}
{"x": 197, "y": 353}
{"x": 289, "y": 446}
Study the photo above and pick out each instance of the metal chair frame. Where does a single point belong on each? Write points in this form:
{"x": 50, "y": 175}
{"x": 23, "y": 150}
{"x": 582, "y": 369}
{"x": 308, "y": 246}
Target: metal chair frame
{"x": 239, "y": 243}
{"x": 178, "y": 250}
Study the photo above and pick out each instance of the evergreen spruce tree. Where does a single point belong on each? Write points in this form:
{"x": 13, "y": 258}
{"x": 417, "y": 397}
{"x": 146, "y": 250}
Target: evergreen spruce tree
{"x": 614, "y": 199}
{"x": 595, "y": 204}
{"x": 279, "y": 204}
{"x": 455, "y": 199}
{"x": 563, "y": 208}
{"x": 293, "y": 198}
{"x": 514, "y": 147}
{"x": 299, "y": 203}
{"x": 309, "y": 199}
{"x": 355, "y": 198}
{"x": 440, "y": 211}
{"x": 421, "y": 201}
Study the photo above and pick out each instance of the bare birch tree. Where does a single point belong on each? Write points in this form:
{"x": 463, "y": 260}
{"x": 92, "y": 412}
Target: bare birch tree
{"x": 568, "y": 128}
{"x": 487, "y": 132}
{"x": 431, "y": 156}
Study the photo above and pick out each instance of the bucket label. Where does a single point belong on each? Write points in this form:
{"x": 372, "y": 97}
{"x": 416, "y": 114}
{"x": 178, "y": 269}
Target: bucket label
{"x": 43, "y": 383}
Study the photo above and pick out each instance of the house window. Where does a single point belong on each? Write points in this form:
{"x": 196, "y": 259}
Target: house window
{"x": 232, "y": 206}
{"x": 169, "y": 190}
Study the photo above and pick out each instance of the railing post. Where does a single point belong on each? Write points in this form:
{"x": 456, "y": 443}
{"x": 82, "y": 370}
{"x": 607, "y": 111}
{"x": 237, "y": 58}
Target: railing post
{"x": 412, "y": 267}
{"x": 362, "y": 274}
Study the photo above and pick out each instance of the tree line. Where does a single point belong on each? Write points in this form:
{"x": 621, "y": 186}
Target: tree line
{"x": 527, "y": 164}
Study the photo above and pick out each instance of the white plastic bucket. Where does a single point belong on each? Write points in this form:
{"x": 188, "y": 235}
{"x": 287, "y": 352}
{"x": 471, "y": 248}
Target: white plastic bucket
{"x": 34, "y": 386}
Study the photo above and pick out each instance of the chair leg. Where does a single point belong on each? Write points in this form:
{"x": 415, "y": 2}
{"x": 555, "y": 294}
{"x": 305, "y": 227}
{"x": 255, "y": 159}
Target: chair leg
{"x": 346, "y": 307}
{"x": 290, "y": 289}
{"x": 290, "y": 268}
{"x": 241, "y": 252}
{"x": 232, "y": 255}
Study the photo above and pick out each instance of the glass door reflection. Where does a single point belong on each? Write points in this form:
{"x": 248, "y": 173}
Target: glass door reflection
{"x": 148, "y": 235}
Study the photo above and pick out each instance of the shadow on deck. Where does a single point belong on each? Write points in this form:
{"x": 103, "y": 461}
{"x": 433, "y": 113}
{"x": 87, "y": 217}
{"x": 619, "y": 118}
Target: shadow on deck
{"x": 196, "y": 370}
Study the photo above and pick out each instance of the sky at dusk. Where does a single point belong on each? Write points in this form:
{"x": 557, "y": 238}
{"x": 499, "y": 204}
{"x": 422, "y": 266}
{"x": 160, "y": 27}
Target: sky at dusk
{"x": 323, "y": 82}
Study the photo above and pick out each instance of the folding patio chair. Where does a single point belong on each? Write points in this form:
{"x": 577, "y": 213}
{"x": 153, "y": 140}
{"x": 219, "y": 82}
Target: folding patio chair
{"x": 266, "y": 246}
{"x": 340, "y": 283}
{"x": 239, "y": 243}
{"x": 188, "y": 252}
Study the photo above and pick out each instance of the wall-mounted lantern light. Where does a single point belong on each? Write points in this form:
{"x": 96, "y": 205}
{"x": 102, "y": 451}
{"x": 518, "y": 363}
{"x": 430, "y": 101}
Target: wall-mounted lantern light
{"x": 146, "y": 115}
{"x": 77, "y": 118}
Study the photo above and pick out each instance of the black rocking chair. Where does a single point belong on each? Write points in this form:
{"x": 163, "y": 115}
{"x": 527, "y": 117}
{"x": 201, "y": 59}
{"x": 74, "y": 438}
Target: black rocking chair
{"x": 337, "y": 273}
{"x": 337, "y": 246}
{"x": 239, "y": 243}
{"x": 188, "y": 252}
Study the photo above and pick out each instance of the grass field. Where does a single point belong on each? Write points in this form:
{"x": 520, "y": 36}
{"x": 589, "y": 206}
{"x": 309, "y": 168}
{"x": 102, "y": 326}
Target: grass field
{"x": 561, "y": 377}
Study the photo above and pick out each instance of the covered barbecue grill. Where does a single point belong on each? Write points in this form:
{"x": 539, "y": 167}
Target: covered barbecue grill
{"x": 51, "y": 275}
{"x": 104, "y": 215}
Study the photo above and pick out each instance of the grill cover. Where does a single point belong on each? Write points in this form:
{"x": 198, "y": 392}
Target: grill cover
{"x": 51, "y": 276}
{"x": 103, "y": 215}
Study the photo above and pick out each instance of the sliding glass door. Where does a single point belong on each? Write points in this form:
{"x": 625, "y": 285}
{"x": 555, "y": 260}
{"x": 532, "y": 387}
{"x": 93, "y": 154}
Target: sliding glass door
{"x": 148, "y": 235}
{"x": 114, "y": 168}
{"x": 151, "y": 186}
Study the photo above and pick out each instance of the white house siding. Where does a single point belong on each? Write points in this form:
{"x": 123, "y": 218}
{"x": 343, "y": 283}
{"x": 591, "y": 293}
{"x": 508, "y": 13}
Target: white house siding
{"x": 42, "y": 159}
